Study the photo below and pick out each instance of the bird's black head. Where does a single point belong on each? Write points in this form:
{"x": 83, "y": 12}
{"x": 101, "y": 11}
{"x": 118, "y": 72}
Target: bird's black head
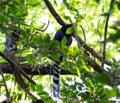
{"x": 68, "y": 36}
{"x": 64, "y": 28}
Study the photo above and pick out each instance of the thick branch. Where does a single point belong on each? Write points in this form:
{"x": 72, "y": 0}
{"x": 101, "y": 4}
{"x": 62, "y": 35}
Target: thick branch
{"x": 95, "y": 66}
{"x": 47, "y": 70}
{"x": 28, "y": 69}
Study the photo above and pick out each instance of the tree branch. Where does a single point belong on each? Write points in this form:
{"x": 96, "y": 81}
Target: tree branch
{"x": 39, "y": 70}
{"x": 95, "y": 66}
{"x": 105, "y": 31}
{"x": 91, "y": 50}
{"x": 48, "y": 69}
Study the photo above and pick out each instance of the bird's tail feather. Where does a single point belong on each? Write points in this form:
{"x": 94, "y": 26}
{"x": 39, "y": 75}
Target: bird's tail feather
{"x": 56, "y": 81}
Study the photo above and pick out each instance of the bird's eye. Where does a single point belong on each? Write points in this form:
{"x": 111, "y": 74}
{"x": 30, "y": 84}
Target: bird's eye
{"x": 69, "y": 31}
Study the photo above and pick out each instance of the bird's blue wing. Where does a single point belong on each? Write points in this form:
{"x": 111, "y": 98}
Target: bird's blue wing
{"x": 59, "y": 35}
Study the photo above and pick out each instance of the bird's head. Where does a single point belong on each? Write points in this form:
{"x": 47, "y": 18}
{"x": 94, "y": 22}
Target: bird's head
{"x": 68, "y": 29}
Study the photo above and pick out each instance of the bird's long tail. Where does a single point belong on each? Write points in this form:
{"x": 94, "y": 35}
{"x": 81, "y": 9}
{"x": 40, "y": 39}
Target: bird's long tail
{"x": 56, "y": 81}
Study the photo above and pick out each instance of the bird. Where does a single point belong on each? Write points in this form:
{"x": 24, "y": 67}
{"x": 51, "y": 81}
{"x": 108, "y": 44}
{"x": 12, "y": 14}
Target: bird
{"x": 64, "y": 31}
{"x": 61, "y": 33}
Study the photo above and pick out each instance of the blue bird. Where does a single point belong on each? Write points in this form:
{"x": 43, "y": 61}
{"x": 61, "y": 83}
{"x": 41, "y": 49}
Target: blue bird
{"x": 60, "y": 34}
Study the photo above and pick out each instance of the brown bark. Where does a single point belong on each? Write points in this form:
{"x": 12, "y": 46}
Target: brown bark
{"x": 28, "y": 69}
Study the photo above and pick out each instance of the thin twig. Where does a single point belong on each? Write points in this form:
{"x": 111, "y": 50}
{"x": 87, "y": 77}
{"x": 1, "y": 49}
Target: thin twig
{"x": 39, "y": 29}
{"x": 7, "y": 92}
{"x": 105, "y": 31}
{"x": 83, "y": 33}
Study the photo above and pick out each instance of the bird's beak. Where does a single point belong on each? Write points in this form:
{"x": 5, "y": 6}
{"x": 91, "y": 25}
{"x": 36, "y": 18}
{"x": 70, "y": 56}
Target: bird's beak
{"x": 74, "y": 26}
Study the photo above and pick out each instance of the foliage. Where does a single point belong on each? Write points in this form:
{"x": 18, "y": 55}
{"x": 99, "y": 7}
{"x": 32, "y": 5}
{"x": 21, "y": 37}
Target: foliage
{"x": 38, "y": 47}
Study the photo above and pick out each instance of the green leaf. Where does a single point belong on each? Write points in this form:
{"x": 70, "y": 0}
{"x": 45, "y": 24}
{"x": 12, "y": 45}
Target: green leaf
{"x": 31, "y": 59}
{"x": 39, "y": 87}
{"x": 115, "y": 91}
{"x": 47, "y": 39}
{"x": 56, "y": 57}
{"x": 44, "y": 53}
{"x": 103, "y": 78}
{"x": 32, "y": 27}
{"x": 69, "y": 31}
{"x": 4, "y": 18}
{"x": 64, "y": 41}
{"x": 33, "y": 1}
{"x": 20, "y": 1}
{"x": 111, "y": 92}
{"x": 8, "y": 77}
{"x": 77, "y": 70}
{"x": 19, "y": 96}
{"x": 97, "y": 1}
{"x": 55, "y": 2}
